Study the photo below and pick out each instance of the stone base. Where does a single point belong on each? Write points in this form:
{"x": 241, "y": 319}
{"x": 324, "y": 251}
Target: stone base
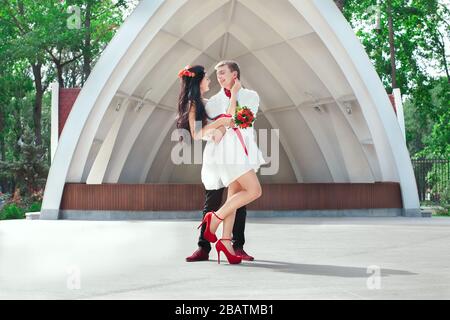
{"x": 414, "y": 213}
{"x": 51, "y": 214}
{"x": 32, "y": 215}
{"x": 162, "y": 215}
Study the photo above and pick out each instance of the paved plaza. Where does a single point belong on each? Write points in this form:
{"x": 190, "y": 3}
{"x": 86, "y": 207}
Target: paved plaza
{"x": 296, "y": 258}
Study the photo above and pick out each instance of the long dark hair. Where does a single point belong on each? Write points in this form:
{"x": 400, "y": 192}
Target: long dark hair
{"x": 190, "y": 94}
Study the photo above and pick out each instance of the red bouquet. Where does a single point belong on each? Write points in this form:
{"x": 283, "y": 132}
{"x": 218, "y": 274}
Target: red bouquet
{"x": 244, "y": 117}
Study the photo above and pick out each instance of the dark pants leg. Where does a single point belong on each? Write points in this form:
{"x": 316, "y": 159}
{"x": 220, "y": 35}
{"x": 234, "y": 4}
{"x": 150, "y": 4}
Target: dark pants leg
{"x": 213, "y": 201}
{"x": 239, "y": 228}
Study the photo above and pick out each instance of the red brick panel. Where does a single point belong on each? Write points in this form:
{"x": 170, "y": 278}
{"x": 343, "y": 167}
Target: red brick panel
{"x": 295, "y": 196}
{"x": 392, "y": 98}
{"x": 67, "y": 97}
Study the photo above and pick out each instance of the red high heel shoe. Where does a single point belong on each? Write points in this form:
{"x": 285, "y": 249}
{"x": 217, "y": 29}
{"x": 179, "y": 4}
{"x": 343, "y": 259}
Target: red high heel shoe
{"x": 232, "y": 259}
{"x": 207, "y": 234}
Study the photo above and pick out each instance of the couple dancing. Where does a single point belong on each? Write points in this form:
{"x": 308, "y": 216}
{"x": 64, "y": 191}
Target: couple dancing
{"x": 231, "y": 156}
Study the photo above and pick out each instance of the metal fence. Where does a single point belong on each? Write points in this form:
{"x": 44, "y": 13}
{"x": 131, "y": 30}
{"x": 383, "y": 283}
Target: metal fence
{"x": 433, "y": 179}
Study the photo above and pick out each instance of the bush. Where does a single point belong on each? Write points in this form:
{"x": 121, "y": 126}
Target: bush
{"x": 445, "y": 202}
{"x": 35, "y": 207}
{"x": 12, "y": 211}
{"x": 15, "y": 206}
{"x": 438, "y": 181}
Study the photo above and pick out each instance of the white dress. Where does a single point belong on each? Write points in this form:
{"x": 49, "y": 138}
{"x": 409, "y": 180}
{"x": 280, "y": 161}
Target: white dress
{"x": 226, "y": 161}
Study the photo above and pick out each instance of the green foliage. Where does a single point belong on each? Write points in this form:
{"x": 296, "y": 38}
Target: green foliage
{"x": 12, "y": 211}
{"x": 43, "y": 41}
{"x": 41, "y": 38}
{"x": 437, "y": 144}
{"x": 446, "y": 200}
{"x": 15, "y": 207}
{"x": 438, "y": 179}
{"x": 30, "y": 169}
{"x": 428, "y": 136}
{"x": 420, "y": 29}
{"x": 16, "y": 211}
{"x": 35, "y": 207}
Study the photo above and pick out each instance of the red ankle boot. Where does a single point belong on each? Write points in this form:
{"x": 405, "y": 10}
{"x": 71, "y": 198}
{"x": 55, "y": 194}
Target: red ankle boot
{"x": 200, "y": 254}
{"x": 208, "y": 235}
{"x": 243, "y": 254}
{"x": 232, "y": 259}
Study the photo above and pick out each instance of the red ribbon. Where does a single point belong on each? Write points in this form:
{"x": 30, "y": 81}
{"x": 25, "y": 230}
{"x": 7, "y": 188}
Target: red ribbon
{"x": 238, "y": 132}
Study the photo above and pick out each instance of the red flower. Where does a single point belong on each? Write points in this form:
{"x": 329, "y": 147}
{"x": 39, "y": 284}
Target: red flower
{"x": 244, "y": 117}
{"x": 186, "y": 73}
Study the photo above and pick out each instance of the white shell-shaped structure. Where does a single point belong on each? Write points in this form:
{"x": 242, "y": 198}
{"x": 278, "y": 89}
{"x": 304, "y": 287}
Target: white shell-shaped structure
{"x": 316, "y": 84}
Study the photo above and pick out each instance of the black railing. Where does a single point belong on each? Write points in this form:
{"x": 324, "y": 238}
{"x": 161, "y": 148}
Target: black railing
{"x": 433, "y": 179}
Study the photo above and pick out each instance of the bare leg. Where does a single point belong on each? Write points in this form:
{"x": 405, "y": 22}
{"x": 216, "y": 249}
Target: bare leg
{"x": 250, "y": 191}
{"x": 228, "y": 222}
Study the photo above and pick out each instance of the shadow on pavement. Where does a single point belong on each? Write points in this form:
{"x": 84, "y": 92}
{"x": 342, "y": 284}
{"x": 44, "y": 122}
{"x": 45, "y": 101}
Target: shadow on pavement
{"x": 321, "y": 270}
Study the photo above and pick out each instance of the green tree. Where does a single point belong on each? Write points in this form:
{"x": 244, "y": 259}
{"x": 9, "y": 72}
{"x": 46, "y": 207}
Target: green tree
{"x": 41, "y": 41}
{"x": 30, "y": 170}
{"x": 409, "y": 41}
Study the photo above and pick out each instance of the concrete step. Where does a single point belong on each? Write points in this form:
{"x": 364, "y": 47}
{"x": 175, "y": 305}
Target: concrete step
{"x": 32, "y": 215}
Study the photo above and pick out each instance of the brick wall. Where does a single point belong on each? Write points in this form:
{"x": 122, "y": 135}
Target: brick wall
{"x": 392, "y": 98}
{"x": 67, "y": 97}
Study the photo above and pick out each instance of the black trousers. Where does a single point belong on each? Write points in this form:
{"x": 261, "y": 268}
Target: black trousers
{"x": 213, "y": 202}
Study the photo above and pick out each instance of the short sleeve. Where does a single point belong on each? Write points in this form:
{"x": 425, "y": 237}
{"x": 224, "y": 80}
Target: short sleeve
{"x": 251, "y": 100}
{"x": 212, "y": 107}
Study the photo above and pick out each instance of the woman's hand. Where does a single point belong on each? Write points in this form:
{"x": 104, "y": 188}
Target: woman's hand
{"x": 236, "y": 87}
{"x": 218, "y": 134}
{"x": 227, "y": 121}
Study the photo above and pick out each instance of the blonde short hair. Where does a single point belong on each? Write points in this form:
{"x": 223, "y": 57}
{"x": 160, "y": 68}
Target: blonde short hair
{"x": 232, "y": 65}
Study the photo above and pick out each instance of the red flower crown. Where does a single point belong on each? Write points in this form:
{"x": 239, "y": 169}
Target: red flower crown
{"x": 186, "y": 73}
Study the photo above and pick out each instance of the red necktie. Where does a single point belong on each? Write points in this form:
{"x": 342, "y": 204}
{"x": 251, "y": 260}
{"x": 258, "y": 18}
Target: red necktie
{"x": 227, "y": 93}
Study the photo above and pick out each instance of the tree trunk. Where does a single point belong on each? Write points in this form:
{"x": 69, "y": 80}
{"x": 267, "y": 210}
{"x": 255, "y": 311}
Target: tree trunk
{"x": 59, "y": 70}
{"x": 392, "y": 44}
{"x": 73, "y": 75}
{"x": 340, "y": 4}
{"x": 441, "y": 44}
{"x": 87, "y": 43}
{"x": 37, "y": 110}
{"x": 3, "y": 182}
{"x": 20, "y": 7}
{"x": 2, "y": 138}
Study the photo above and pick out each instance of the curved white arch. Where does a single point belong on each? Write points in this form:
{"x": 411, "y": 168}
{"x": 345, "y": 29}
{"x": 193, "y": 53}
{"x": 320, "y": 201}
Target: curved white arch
{"x": 264, "y": 13}
{"x": 393, "y": 155}
{"x": 381, "y": 141}
{"x": 131, "y": 85}
{"x": 101, "y": 86}
{"x": 125, "y": 150}
{"x": 296, "y": 98}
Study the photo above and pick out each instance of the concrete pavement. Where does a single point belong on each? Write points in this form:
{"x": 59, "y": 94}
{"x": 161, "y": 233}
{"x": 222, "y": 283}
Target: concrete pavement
{"x": 296, "y": 258}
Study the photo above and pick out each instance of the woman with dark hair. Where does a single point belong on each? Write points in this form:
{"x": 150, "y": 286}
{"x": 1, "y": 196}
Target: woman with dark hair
{"x": 191, "y": 104}
{"x": 244, "y": 187}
